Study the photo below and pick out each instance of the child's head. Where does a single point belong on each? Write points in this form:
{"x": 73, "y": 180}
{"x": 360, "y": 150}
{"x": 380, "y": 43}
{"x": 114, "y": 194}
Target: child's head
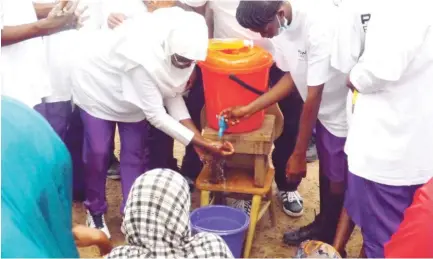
{"x": 157, "y": 210}
{"x": 157, "y": 222}
{"x": 263, "y": 16}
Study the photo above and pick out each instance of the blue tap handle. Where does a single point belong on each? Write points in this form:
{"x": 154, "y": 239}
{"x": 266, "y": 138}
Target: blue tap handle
{"x": 222, "y": 126}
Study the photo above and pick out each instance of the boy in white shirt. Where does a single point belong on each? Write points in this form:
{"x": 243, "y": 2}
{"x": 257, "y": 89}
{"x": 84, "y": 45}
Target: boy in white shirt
{"x": 391, "y": 132}
{"x": 305, "y": 32}
{"x": 349, "y": 41}
{"x": 221, "y": 16}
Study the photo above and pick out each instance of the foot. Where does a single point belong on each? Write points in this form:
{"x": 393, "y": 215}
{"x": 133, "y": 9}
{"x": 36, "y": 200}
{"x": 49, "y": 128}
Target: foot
{"x": 308, "y": 232}
{"x": 244, "y": 205}
{"x": 113, "y": 172}
{"x": 293, "y": 205}
{"x": 312, "y": 151}
{"x": 98, "y": 222}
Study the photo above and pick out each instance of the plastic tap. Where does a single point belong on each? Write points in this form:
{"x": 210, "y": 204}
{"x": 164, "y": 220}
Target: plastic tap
{"x": 222, "y": 124}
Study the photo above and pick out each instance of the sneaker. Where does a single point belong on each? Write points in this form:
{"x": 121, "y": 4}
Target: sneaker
{"x": 244, "y": 205}
{"x": 311, "y": 231}
{"x": 293, "y": 205}
{"x": 113, "y": 172}
{"x": 98, "y": 222}
{"x": 312, "y": 151}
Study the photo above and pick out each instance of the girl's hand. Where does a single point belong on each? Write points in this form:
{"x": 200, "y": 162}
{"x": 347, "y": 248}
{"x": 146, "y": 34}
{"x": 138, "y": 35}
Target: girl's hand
{"x": 221, "y": 148}
{"x": 115, "y": 19}
{"x": 214, "y": 148}
{"x": 234, "y": 115}
{"x": 85, "y": 236}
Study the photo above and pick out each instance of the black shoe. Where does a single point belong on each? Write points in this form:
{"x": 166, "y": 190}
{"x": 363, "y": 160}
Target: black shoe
{"x": 311, "y": 231}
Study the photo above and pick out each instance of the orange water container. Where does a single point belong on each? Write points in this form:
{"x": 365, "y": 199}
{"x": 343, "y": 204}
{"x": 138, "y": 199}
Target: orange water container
{"x": 235, "y": 73}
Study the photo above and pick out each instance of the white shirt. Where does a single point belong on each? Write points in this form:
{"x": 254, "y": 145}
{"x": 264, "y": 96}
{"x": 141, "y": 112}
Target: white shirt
{"x": 110, "y": 87}
{"x": 391, "y": 136}
{"x": 225, "y": 23}
{"x": 61, "y": 49}
{"x": 23, "y": 64}
{"x": 304, "y": 50}
{"x": 349, "y": 39}
{"x": 129, "y": 8}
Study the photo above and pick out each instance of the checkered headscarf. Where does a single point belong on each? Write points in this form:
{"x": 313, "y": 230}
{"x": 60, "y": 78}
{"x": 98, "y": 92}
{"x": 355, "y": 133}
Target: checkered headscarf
{"x": 157, "y": 222}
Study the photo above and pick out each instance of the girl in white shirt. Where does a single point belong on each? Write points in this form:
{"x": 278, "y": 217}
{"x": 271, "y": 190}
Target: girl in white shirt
{"x": 126, "y": 77}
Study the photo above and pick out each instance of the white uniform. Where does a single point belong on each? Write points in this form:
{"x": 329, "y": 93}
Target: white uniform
{"x": 126, "y": 76}
{"x": 61, "y": 49}
{"x": 225, "y": 23}
{"x": 304, "y": 50}
{"x": 391, "y": 136}
{"x": 23, "y": 65}
{"x": 349, "y": 38}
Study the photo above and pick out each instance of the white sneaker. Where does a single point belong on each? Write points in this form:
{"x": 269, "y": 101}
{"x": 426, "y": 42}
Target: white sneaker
{"x": 244, "y": 205}
{"x": 98, "y": 222}
{"x": 293, "y": 205}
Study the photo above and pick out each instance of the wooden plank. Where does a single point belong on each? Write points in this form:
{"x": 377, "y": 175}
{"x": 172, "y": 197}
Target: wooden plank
{"x": 256, "y": 142}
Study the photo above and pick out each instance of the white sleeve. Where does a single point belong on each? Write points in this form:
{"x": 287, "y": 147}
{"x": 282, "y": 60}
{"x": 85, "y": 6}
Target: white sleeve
{"x": 176, "y": 108}
{"x": 319, "y": 45}
{"x": 144, "y": 93}
{"x": 348, "y": 40}
{"x": 389, "y": 49}
{"x": 194, "y": 3}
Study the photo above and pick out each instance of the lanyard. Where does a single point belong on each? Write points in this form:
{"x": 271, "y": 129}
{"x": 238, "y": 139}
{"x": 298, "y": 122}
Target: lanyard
{"x": 354, "y": 98}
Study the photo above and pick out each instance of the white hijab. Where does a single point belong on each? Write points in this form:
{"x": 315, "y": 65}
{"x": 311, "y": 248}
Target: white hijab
{"x": 152, "y": 39}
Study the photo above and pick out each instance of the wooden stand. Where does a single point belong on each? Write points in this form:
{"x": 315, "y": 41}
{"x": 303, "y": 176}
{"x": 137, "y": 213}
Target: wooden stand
{"x": 251, "y": 149}
{"x": 240, "y": 182}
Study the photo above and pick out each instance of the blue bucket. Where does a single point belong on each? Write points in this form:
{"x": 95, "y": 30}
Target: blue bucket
{"x": 229, "y": 223}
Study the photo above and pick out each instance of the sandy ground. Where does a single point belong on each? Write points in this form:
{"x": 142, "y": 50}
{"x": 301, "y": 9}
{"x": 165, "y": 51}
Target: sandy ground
{"x": 268, "y": 240}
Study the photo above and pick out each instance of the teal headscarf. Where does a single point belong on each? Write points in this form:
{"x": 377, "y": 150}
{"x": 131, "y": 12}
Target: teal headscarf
{"x": 36, "y": 171}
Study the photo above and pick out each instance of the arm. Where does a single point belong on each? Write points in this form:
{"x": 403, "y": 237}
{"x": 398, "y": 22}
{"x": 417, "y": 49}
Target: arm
{"x": 43, "y": 9}
{"x": 178, "y": 126}
{"x": 145, "y": 94}
{"x": 14, "y": 34}
{"x": 319, "y": 72}
{"x": 388, "y": 50}
{"x": 281, "y": 89}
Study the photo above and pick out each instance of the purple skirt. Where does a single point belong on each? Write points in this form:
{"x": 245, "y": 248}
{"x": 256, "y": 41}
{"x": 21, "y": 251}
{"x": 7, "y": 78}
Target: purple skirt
{"x": 330, "y": 151}
{"x": 377, "y": 209}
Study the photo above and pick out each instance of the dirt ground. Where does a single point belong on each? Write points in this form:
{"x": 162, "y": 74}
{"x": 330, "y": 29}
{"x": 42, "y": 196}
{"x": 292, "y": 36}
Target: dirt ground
{"x": 268, "y": 240}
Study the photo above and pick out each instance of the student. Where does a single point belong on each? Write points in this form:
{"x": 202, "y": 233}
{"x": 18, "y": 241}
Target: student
{"x": 125, "y": 78}
{"x": 23, "y": 63}
{"x": 303, "y": 49}
{"x": 221, "y": 16}
{"x": 391, "y": 135}
{"x": 349, "y": 41}
{"x": 161, "y": 145}
{"x": 152, "y": 229}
